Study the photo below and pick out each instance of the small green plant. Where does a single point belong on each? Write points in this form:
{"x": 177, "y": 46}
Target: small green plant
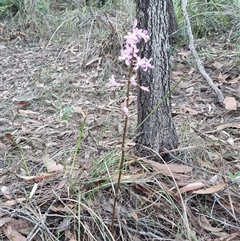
{"x": 9, "y": 8}
{"x": 234, "y": 177}
{"x": 42, "y": 6}
{"x": 66, "y": 113}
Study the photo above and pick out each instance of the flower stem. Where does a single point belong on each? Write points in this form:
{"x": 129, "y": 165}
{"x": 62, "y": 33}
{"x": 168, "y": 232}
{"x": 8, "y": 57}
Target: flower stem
{"x": 122, "y": 150}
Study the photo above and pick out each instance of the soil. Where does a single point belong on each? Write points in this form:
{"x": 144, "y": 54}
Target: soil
{"x": 50, "y": 92}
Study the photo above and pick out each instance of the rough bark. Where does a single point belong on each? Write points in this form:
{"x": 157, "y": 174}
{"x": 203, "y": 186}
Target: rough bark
{"x": 158, "y": 131}
{"x": 172, "y": 21}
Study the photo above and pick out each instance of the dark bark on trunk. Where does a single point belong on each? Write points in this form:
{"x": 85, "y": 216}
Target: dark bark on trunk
{"x": 172, "y": 21}
{"x": 158, "y": 132}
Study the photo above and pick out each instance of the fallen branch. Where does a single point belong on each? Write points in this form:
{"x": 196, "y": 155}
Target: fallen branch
{"x": 197, "y": 59}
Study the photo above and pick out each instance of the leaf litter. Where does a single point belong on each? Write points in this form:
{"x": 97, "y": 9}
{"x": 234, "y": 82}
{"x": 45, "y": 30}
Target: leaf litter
{"x": 37, "y": 149}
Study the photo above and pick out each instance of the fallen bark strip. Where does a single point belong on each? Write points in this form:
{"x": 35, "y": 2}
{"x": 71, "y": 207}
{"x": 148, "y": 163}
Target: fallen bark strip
{"x": 197, "y": 59}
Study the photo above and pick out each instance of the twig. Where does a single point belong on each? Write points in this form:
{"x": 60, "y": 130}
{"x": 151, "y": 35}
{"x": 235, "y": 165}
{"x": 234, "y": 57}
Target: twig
{"x": 197, "y": 59}
{"x": 153, "y": 233}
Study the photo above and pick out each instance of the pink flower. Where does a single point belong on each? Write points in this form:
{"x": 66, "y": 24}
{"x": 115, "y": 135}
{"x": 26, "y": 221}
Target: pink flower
{"x": 124, "y": 108}
{"x": 143, "y": 63}
{"x": 130, "y": 51}
{"x": 133, "y": 80}
{"x": 113, "y": 82}
{"x": 126, "y": 111}
{"x": 129, "y": 54}
{"x": 142, "y": 34}
{"x": 131, "y": 38}
{"x": 144, "y": 88}
{"x": 134, "y": 83}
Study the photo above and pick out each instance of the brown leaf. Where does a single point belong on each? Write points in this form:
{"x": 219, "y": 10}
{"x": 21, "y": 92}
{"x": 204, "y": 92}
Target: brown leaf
{"x": 211, "y": 190}
{"x": 188, "y": 110}
{"x": 12, "y": 202}
{"x": 223, "y": 236}
{"x": 12, "y": 234}
{"x": 70, "y": 235}
{"x": 128, "y": 177}
{"x": 21, "y": 225}
{"x": 134, "y": 215}
{"x": 230, "y": 103}
{"x": 4, "y": 221}
{"x": 235, "y": 80}
{"x": 7, "y": 139}
{"x": 34, "y": 189}
{"x": 67, "y": 208}
{"x": 224, "y": 126}
{"x": 39, "y": 177}
{"x": 191, "y": 186}
{"x": 169, "y": 169}
{"x": 52, "y": 166}
{"x": 204, "y": 223}
{"x": 20, "y": 104}
{"x": 28, "y": 112}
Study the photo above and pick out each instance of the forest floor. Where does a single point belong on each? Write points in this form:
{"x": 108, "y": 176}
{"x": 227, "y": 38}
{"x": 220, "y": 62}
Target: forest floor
{"x": 53, "y": 190}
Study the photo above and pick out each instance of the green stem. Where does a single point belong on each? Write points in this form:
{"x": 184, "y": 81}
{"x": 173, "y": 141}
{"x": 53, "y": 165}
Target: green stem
{"x": 78, "y": 143}
{"x": 160, "y": 103}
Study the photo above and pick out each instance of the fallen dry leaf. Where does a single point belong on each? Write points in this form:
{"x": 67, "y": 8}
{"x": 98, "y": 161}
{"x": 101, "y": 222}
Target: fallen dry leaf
{"x": 21, "y": 225}
{"x": 211, "y": 190}
{"x": 205, "y": 224}
{"x": 28, "y": 112}
{"x": 230, "y": 141}
{"x": 235, "y": 80}
{"x": 7, "y": 139}
{"x": 134, "y": 215}
{"x": 169, "y": 169}
{"x": 11, "y": 203}
{"x": 39, "y": 177}
{"x": 4, "y": 221}
{"x": 70, "y": 236}
{"x": 12, "y": 234}
{"x": 191, "y": 186}
{"x": 223, "y": 236}
{"x": 128, "y": 177}
{"x": 52, "y": 166}
{"x": 67, "y": 208}
{"x": 34, "y": 189}
{"x": 20, "y": 104}
{"x": 224, "y": 126}
{"x": 188, "y": 110}
{"x": 230, "y": 103}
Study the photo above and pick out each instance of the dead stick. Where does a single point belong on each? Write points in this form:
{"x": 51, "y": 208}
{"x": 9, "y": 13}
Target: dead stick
{"x": 197, "y": 59}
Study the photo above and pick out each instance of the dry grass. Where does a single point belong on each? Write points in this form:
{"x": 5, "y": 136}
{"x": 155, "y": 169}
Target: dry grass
{"x": 47, "y": 194}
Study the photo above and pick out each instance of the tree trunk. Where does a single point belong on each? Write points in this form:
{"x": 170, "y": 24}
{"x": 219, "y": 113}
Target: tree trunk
{"x": 172, "y": 21}
{"x": 158, "y": 131}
